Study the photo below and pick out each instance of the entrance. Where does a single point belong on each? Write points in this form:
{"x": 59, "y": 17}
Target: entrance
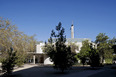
{"x": 42, "y": 59}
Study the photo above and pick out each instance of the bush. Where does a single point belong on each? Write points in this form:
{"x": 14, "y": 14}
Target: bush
{"x": 108, "y": 61}
{"x": 9, "y": 62}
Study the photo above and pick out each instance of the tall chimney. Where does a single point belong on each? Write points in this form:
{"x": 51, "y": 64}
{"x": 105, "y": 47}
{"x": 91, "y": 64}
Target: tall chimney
{"x": 72, "y": 31}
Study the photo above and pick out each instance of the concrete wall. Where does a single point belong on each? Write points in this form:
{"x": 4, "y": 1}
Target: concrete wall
{"x": 39, "y": 48}
{"x": 46, "y": 58}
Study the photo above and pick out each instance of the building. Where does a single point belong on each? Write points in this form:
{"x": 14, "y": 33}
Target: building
{"x": 40, "y": 57}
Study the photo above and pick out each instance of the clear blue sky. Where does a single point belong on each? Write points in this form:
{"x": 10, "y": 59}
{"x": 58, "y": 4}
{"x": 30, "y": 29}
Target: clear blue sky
{"x": 90, "y": 17}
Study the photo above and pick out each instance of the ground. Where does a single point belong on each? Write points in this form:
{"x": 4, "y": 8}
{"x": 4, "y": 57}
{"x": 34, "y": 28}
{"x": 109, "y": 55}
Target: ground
{"x": 77, "y": 71}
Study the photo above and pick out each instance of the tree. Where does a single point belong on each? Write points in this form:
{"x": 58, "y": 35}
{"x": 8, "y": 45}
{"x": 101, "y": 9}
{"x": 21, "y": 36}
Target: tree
{"x": 59, "y": 53}
{"x": 103, "y": 47}
{"x": 113, "y": 44}
{"x": 88, "y": 51}
{"x": 11, "y": 37}
{"x": 9, "y": 62}
{"x": 114, "y": 47}
{"x": 84, "y": 52}
{"x": 94, "y": 56}
{"x": 101, "y": 38}
{"x": 73, "y": 46}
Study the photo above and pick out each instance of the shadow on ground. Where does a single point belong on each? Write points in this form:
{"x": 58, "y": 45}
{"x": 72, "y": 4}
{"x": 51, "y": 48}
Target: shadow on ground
{"x": 106, "y": 73}
{"x": 49, "y": 71}
{"x": 39, "y": 71}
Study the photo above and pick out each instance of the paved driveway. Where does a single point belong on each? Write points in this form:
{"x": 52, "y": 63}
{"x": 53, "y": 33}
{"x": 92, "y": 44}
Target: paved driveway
{"x": 48, "y": 71}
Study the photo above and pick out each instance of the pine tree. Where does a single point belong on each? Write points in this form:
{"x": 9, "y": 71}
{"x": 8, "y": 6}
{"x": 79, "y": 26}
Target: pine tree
{"x": 59, "y": 53}
{"x": 9, "y": 62}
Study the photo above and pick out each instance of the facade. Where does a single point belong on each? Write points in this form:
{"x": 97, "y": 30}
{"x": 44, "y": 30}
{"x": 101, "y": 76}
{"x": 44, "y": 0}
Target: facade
{"x": 41, "y": 57}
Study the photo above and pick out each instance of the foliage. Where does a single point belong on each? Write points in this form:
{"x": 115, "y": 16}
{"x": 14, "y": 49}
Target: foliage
{"x": 94, "y": 56}
{"x": 114, "y": 48}
{"x": 9, "y": 62}
{"x": 73, "y": 46}
{"x": 88, "y": 52}
{"x": 84, "y": 52}
{"x": 103, "y": 47}
{"x": 108, "y": 61}
{"x": 101, "y": 38}
{"x": 11, "y": 37}
{"x": 113, "y": 43}
{"x": 98, "y": 53}
{"x": 59, "y": 53}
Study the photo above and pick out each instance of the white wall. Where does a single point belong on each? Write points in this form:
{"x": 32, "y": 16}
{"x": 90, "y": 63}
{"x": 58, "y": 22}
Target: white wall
{"x": 47, "y": 61}
{"x": 39, "y": 48}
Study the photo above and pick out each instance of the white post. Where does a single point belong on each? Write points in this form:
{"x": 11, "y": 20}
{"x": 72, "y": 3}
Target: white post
{"x": 33, "y": 59}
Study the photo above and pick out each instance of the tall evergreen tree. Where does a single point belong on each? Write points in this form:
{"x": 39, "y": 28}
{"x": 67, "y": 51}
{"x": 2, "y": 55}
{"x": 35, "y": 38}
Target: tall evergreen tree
{"x": 59, "y": 53}
{"x": 9, "y": 62}
{"x": 94, "y": 56}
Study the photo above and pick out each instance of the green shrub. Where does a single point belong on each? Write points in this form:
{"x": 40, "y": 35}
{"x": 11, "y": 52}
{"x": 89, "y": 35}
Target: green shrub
{"x": 9, "y": 62}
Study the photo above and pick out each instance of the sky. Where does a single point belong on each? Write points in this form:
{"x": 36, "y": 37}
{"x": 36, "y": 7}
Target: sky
{"x": 90, "y": 17}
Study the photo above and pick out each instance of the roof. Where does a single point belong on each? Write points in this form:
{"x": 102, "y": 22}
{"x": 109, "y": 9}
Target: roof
{"x": 77, "y": 39}
{"x": 74, "y": 39}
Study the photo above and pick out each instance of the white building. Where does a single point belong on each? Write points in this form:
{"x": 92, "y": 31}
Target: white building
{"x": 41, "y": 57}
